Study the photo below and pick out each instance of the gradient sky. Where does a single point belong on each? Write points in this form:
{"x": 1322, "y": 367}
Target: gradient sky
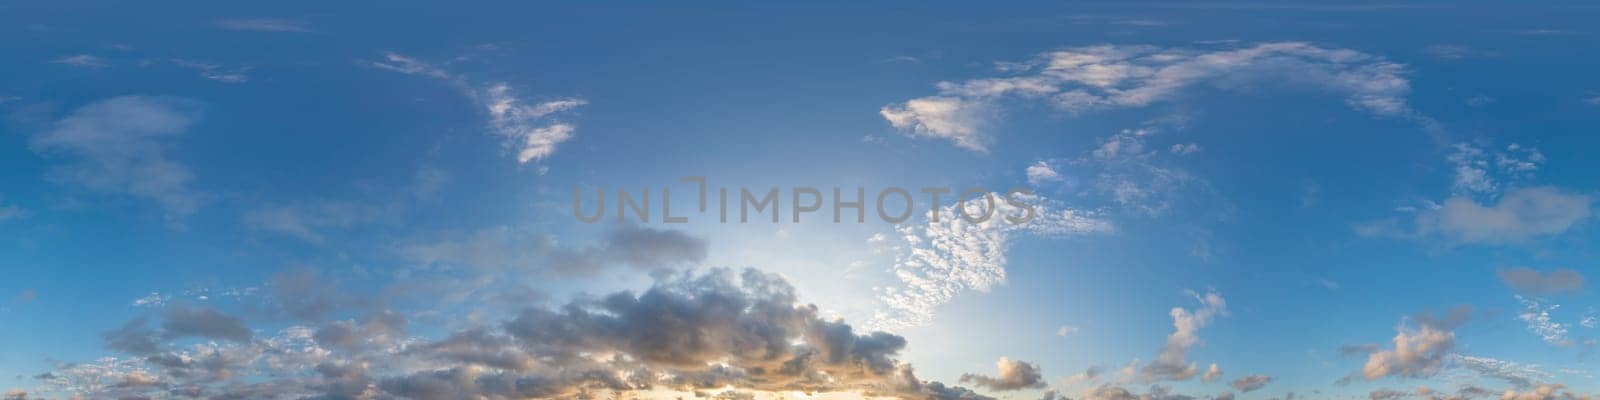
{"x": 1237, "y": 200}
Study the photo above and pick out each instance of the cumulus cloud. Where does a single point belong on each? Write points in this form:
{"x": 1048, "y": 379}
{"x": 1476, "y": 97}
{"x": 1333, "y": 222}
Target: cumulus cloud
{"x": 949, "y": 118}
{"x": 531, "y": 130}
{"x": 944, "y": 255}
{"x": 1533, "y": 282}
{"x": 1250, "y": 383}
{"x": 1419, "y": 351}
{"x": 119, "y": 146}
{"x": 1173, "y": 364}
{"x": 689, "y": 332}
{"x": 1212, "y": 374}
{"x": 1041, "y": 173}
{"x": 1104, "y": 77}
{"x": 1013, "y": 375}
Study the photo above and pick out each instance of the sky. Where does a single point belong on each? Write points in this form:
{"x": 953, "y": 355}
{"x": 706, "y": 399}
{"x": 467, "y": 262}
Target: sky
{"x": 1191, "y": 200}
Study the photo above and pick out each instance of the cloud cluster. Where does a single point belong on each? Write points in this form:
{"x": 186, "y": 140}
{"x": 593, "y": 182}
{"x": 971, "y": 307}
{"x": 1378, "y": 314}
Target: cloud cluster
{"x": 945, "y": 255}
{"x": 119, "y": 146}
{"x": 689, "y": 332}
{"x": 1102, "y": 77}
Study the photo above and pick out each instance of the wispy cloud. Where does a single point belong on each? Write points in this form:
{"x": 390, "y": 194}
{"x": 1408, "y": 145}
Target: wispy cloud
{"x": 82, "y": 61}
{"x": 531, "y": 129}
{"x": 1088, "y": 79}
{"x": 265, "y": 25}
{"x": 119, "y": 146}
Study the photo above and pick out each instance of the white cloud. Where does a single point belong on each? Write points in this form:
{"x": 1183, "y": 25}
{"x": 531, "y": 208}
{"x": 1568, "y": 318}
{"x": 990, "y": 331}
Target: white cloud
{"x": 82, "y": 61}
{"x": 215, "y": 72}
{"x": 118, "y": 146}
{"x": 1185, "y": 148}
{"x": 1065, "y": 330}
{"x": 1419, "y": 351}
{"x": 528, "y": 129}
{"x": 945, "y": 255}
{"x": 951, "y": 118}
{"x": 1172, "y": 364}
{"x": 153, "y": 300}
{"x": 524, "y": 126}
{"x": 1481, "y": 171}
{"x": 1212, "y": 374}
{"x": 1537, "y": 316}
{"x": 1041, "y": 172}
{"x": 1106, "y": 77}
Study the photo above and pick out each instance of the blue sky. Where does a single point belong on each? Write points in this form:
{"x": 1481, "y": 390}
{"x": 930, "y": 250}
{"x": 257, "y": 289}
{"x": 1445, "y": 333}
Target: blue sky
{"x": 1236, "y": 200}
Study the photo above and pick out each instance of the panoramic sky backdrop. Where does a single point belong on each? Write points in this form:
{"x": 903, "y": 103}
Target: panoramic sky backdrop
{"x": 1256, "y": 200}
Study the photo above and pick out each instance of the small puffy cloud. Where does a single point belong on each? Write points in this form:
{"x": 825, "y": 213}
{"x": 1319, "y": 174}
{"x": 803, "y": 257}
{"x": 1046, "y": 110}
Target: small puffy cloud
{"x": 1533, "y": 282}
{"x": 1065, "y": 330}
{"x": 1419, "y": 351}
{"x": 15, "y": 394}
{"x": 1013, "y": 375}
{"x": 265, "y": 25}
{"x": 1212, "y": 374}
{"x": 1088, "y": 375}
{"x": 119, "y": 146}
{"x": 949, "y": 118}
{"x": 1041, "y": 173}
{"x": 1172, "y": 364}
{"x": 1250, "y": 383}
{"x": 1388, "y": 394}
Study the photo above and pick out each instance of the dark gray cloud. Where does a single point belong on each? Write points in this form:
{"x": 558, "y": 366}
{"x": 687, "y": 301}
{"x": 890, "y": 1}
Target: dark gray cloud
{"x": 183, "y": 320}
{"x": 688, "y": 332}
{"x": 1250, "y": 383}
{"x": 1533, "y": 282}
